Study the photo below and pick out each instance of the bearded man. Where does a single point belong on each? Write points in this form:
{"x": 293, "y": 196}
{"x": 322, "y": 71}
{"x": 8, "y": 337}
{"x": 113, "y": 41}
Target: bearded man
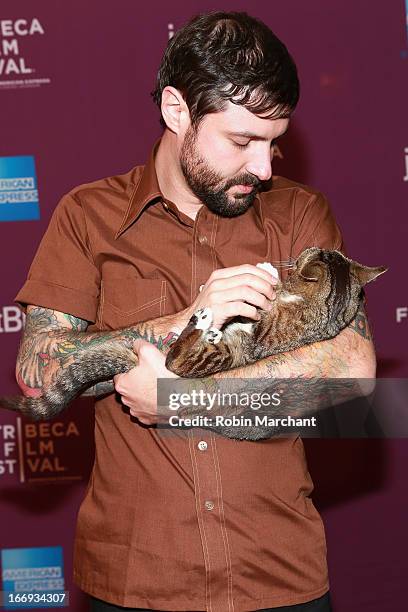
{"x": 184, "y": 522}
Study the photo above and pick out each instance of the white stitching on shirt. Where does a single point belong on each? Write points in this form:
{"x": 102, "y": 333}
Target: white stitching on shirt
{"x": 223, "y": 523}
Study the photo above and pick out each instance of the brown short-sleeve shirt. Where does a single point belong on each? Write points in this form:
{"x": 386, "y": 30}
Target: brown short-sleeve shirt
{"x": 167, "y": 523}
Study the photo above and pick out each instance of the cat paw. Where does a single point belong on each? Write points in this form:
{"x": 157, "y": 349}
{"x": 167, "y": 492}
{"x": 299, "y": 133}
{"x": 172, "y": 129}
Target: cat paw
{"x": 203, "y": 318}
{"x": 213, "y": 336}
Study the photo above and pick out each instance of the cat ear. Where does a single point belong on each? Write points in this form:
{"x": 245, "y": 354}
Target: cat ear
{"x": 311, "y": 270}
{"x": 365, "y": 274}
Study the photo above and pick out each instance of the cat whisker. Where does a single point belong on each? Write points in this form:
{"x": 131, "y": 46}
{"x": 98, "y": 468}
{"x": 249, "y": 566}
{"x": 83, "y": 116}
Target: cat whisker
{"x": 283, "y": 265}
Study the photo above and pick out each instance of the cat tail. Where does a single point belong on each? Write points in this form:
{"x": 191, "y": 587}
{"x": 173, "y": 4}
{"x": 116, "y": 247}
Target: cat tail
{"x": 31, "y": 407}
{"x": 92, "y": 365}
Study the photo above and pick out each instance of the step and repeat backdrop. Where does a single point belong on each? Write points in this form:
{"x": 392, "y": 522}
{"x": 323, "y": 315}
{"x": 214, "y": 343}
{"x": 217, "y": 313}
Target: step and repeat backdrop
{"x": 75, "y": 83}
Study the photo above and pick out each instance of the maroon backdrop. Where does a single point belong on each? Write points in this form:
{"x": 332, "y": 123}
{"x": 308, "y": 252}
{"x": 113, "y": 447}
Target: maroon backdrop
{"x": 77, "y": 99}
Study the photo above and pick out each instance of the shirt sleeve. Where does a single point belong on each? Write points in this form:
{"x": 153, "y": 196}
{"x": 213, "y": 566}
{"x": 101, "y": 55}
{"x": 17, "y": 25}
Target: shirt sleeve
{"x": 317, "y": 227}
{"x": 63, "y": 275}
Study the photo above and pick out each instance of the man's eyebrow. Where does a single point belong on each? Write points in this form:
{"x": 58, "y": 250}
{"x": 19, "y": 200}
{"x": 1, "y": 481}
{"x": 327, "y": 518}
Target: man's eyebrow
{"x": 246, "y": 134}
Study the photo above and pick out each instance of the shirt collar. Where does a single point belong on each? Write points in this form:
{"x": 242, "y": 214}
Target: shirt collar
{"x": 142, "y": 192}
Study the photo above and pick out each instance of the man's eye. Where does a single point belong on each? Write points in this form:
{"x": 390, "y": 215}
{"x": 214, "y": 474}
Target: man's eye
{"x": 240, "y": 146}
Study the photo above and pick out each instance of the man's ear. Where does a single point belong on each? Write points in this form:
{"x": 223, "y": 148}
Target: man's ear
{"x": 174, "y": 109}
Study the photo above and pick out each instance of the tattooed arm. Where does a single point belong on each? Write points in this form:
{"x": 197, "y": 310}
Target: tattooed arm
{"x": 101, "y": 388}
{"x": 348, "y": 355}
{"x": 300, "y": 377}
{"x": 52, "y": 340}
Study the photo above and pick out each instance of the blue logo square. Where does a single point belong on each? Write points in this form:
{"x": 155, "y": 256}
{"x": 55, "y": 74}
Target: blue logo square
{"x": 33, "y": 578}
{"x": 406, "y": 15}
{"x": 18, "y": 189}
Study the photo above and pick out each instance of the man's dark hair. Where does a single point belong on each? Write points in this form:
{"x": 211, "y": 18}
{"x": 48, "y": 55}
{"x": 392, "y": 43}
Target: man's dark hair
{"x": 222, "y": 56}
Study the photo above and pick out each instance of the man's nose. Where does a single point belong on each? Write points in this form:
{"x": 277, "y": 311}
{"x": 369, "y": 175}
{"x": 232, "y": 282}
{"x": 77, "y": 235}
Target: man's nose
{"x": 260, "y": 165}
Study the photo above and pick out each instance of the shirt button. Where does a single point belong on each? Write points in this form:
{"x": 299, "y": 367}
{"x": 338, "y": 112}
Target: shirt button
{"x": 209, "y": 505}
{"x": 202, "y": 239}
{"x": 202, "y": 445}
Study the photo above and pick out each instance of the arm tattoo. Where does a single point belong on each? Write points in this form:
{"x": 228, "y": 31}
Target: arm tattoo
{"x": 76, "y": 324}
{"x": 101, "y": 388}
{"x": 53, "y": 340}
{"x": 30, "y": 361}
{"x": 360, "y": 324}
{"x": 308, "y": 380}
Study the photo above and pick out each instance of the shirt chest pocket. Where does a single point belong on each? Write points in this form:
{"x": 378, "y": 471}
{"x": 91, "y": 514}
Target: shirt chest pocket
{"x": 129, "y": 300}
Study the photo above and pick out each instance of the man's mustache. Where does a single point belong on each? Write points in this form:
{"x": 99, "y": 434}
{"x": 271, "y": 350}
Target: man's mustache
{"x": 244, "y": 179}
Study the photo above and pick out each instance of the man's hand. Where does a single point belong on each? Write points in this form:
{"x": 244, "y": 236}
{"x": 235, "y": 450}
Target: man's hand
{"x": 229, "y": 292}
{"x": 233, "y": 292}
{"x": 138, "y": 387}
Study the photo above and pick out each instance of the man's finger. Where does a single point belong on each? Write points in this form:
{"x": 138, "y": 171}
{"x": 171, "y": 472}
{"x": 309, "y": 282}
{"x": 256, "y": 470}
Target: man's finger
{"x": 244, "y": 269}
{"x": 242, "y": 280}
{"x": 241, "y": 294}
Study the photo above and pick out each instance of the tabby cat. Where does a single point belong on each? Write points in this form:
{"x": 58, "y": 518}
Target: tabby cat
{"x": 318, "y": 299}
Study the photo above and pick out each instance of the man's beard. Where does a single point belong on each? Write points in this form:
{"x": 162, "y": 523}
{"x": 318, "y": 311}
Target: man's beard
{"x": 209, "y": 186}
